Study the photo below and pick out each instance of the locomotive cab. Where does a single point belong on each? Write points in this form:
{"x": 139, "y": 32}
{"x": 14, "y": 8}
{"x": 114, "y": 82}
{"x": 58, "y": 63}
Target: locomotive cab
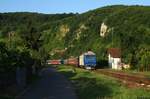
{"x": 90, "y": 61}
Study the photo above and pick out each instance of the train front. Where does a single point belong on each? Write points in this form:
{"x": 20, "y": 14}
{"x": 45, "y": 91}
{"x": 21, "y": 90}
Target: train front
{"x": 90, "y": 60}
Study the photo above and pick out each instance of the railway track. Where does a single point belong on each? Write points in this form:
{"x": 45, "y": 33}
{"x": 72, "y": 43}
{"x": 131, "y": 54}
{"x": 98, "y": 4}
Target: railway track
{"x": 131, "y": 80}
{"x": 135, "y": 80}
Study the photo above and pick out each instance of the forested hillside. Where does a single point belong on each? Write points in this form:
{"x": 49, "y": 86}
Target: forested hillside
{"x": 21, "y": 52}
{"x": 21, "y": 31}
{"x": 127, "y": 27}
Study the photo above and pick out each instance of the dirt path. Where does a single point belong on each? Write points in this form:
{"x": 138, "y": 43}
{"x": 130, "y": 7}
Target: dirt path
{"x": 53, "y": 85}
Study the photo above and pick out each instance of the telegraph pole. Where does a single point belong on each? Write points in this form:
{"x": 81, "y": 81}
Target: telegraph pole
{"x": 112, "y": 37}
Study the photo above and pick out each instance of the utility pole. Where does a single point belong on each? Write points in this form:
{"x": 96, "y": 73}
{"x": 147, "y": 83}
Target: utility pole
{"x": 112, "y": 37}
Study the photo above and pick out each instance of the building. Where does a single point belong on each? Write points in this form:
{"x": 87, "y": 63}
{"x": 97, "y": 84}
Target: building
{"x": 114, "y": 58}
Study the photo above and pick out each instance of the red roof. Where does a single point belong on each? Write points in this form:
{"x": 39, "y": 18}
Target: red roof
{"x": 114, "y": 52}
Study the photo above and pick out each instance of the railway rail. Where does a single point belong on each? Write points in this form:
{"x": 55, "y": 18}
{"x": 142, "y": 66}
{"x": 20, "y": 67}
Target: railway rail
{"x": 134, "y": 80}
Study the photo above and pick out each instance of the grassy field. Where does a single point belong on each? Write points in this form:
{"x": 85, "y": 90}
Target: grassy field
{"x": 90, "y": 85}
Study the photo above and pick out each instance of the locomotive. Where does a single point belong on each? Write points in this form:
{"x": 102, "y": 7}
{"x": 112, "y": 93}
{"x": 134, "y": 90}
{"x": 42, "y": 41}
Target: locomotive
{"x": 87, "y": 60}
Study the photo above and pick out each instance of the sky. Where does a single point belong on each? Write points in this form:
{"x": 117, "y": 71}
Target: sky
{"x": 62, "y": 6}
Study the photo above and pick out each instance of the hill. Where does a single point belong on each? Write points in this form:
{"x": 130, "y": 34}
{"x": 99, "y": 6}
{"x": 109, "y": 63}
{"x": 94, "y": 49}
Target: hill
{"x": 128, "y": 28}
{"x": 125, "y": 27}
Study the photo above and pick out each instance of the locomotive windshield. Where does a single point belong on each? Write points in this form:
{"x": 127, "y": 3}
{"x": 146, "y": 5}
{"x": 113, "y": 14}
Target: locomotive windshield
{"x": 90, "y": 57}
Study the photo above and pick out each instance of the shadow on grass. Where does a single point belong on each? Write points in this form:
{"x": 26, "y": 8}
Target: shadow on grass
{"x": 89, "y": 87}
{"x": 69, "y": 74}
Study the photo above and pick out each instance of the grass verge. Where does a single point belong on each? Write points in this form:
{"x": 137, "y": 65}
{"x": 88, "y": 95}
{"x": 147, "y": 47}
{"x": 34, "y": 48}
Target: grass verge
{"x": 90, "y": 85}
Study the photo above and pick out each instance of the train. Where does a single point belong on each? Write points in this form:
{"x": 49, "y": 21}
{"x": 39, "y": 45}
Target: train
{"x": 54, "y": 62}
{"x": 72, "y": 61}
{"x": 86, "y": 60}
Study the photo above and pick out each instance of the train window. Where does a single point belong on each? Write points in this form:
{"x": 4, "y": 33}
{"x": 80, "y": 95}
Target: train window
{"x": 91, "y": 57}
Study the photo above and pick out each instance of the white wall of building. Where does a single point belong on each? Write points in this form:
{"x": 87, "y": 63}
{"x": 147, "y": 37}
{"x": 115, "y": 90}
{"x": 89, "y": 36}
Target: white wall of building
{"x": 114, "y": 63}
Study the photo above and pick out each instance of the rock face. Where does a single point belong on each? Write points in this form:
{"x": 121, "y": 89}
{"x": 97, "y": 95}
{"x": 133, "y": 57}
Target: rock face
{"x": 103, "y": 29}
{"x": 79, "y": 31}
{"x": 64, "y": 29}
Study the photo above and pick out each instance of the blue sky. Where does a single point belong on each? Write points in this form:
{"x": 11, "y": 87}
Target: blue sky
{"x": 62, "y": 6}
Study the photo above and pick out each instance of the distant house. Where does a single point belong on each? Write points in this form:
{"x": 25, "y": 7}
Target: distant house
{"x": 114, "y": 58}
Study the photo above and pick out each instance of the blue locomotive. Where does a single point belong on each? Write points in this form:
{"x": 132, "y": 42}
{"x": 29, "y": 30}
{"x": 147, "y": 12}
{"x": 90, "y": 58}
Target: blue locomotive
{"x": 87, "y": 60}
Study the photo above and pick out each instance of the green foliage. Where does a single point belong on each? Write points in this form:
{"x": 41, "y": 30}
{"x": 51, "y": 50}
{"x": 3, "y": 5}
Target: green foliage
{"x": 130, "y": 26}
{"x": 143, "y": 56}
{"x": 10, "y": 59}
